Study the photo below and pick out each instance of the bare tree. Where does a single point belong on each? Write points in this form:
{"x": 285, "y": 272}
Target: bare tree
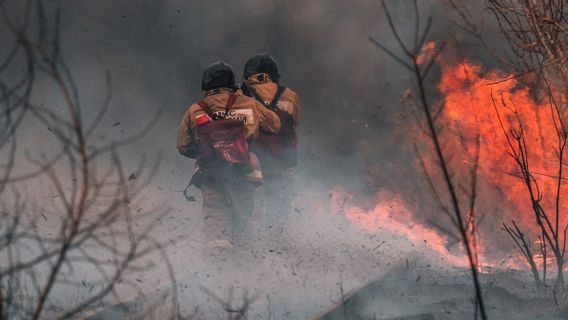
{"x": 535, "y": 32}
{"x": 549, "y": 224}
{"x": 419, "y": 65}
{"x": 532, "y": 33}
{"x": 234, "y": 312}
{"x": 88, "y": 225}
{"x": 526, "y": 249}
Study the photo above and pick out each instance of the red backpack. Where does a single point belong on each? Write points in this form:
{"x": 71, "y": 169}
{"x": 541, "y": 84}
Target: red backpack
{"x": 282, "y": 145}
{"x": 222, "y": 140}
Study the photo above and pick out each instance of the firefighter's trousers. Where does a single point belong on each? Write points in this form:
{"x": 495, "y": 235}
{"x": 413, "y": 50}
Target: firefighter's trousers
{"x": 227, "y": 207}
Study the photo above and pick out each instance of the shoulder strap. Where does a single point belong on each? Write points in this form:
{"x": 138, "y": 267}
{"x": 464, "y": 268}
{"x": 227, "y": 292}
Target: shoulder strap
{"x": 206, "y": 108}
{"x": 277, "y": 96}
{"x": 211, "y": 114}
{"x": 230, "y": 103}
{"x": 249, "y": 91}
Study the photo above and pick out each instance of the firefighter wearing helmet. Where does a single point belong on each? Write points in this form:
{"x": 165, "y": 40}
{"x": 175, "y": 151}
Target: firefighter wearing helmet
{"x": 216, "y": 131}
{"x": 276, "y": 152}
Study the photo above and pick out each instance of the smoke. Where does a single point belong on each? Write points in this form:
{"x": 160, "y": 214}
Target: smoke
{"x": 350, "y": 131}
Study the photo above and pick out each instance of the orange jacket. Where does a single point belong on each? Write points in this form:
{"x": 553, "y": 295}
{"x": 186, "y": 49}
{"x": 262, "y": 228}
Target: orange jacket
{"x": 266, "y": 89}
{"x": 253, "y": 113}
{"x": 256, "y": 117}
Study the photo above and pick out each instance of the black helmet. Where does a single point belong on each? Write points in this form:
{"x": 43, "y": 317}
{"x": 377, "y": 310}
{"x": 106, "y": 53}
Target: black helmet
{"x": 218, "y": 75}
{"x": 261, "y": 63}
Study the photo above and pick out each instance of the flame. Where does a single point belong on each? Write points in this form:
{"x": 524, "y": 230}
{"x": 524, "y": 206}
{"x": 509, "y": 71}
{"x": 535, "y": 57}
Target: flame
{"x": 391, "y": 213}
{"x": 426, "y": 53}
{"x": 469, "y": 112}
{"x": 538, "y": 256}
{"x": 473, "y": 102}
{"x": 470, "y": 97}
{"x": 473, "y": 239}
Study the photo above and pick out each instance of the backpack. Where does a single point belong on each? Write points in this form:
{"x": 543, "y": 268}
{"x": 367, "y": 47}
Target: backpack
{"x": 282, "y": 145}
{"x": 222, "y": 140}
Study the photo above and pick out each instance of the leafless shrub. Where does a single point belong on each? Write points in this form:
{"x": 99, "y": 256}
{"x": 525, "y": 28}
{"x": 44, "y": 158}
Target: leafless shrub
{"x": 554, "y": 236}
{"x": 87, "y": 237}
{"x": 526, "y": 249}
{"x": 535, "y": 32}
{"x": 532, "y": 33}
{"x": 410, "y": 59}
{"x": 234, "y": 312}
{"x": 535, "y": 41}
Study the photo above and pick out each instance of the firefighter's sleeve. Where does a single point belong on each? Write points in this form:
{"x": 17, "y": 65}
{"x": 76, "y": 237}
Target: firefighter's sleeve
{"x": 297, "y": 109}
{"x": 269, "y": 121}
{"x": 186, "y": 143}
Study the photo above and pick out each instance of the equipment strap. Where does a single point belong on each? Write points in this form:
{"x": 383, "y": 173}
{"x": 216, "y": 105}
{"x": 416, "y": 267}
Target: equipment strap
{"x": 207, "y": 110}
{"x": 277, "y": 96}
{"x": 228, "y": 106}
{"x": 273, "y": 103}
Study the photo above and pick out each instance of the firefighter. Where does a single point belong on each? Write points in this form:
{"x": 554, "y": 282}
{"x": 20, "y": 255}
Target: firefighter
{"x": 277, "y": 153}
{"x": 216, "y": 131}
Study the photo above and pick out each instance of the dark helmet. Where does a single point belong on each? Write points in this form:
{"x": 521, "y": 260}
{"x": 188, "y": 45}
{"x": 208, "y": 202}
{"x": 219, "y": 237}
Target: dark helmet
{"x": 218, "y": 75}
{"x": 261, "y": 63}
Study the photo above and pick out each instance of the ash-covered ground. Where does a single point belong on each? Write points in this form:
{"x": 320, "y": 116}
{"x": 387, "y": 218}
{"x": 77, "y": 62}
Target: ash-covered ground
{"x": 327, "y": 268}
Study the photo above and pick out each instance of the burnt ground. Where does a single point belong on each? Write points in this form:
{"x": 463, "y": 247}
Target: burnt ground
{"x": 407, "y": 294}
{"x": 335, "y": 272}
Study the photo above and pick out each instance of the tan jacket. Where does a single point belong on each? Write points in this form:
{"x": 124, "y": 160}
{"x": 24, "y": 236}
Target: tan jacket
{"x": 254, "y": 114}
{"x": 266, "y": 89}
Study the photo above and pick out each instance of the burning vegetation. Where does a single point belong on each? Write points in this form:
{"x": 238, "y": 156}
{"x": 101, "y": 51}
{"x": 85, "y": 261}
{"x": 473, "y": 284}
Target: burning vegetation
{"x": 505, "y": 129}
{"x": 483, "y": 109}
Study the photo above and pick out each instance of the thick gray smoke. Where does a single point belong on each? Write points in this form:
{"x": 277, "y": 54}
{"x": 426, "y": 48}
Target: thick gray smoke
{"x": 349, "y": 132}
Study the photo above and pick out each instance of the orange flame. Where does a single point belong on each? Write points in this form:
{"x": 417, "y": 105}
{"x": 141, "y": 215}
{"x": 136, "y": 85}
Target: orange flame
{"x": 472, "y": 238}
{"x": 391, "y": 213}
{"x": 469, "y": 111}
{"x": 538, "y": 256}
{"x": 426, "y": 53}
{"x": 471, "y": 96}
